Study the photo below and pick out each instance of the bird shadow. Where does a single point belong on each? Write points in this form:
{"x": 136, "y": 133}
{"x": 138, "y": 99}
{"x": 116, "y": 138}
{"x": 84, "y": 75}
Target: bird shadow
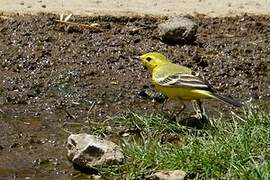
{"x": 190, "y": 121}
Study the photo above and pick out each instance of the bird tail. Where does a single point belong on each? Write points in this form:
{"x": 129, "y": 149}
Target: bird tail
{"x": 228, "y": 100}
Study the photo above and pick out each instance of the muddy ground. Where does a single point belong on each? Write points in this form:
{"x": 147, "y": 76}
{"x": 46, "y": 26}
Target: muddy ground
{"x": 53, "y": 78}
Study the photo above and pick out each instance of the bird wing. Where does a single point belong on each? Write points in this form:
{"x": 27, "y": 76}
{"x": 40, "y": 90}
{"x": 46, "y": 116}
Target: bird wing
{"x": 183, "y": 81}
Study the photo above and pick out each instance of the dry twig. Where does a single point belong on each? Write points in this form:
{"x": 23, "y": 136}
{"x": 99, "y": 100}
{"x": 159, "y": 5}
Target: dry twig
{"x": 92, "y": 27}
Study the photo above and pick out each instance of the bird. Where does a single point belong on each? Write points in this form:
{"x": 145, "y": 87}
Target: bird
{"x": 178, "y": 82}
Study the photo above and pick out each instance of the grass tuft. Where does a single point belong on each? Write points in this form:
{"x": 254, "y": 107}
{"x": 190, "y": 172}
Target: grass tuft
{"x": 231, "y": 149}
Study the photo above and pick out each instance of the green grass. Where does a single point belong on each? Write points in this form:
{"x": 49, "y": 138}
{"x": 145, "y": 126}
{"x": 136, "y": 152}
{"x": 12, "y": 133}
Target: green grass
{"x": 231, "y": 149}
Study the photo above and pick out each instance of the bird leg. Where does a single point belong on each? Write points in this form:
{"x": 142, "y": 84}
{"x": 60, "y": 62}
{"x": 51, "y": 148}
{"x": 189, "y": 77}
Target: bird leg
{"x": 176, "y": 114}
{"x": 183, "y": 107}
{"x": 197, "y": 106}
{"x": 163, "y": 104}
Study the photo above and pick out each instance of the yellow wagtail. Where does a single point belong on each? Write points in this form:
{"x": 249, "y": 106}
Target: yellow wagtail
{"x": 177, "y": 82}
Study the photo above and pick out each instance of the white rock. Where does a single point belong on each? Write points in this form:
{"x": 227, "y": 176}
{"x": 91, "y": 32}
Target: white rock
{"x": 88, "y": 151}
{"x": 178, "y": 30}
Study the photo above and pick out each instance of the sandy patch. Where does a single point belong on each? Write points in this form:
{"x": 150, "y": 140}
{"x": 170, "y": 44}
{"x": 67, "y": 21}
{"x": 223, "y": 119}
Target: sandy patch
{"x": 131, "y": 7}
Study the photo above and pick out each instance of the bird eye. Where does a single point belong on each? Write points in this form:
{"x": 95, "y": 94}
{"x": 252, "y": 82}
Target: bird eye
{"x": 148, "y": 59}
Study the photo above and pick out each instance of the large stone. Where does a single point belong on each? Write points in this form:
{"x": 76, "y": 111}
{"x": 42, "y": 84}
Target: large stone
{"x": 168, "y": 175}
{"x": 178, "y": 30}
{"x": 88, "y": 152}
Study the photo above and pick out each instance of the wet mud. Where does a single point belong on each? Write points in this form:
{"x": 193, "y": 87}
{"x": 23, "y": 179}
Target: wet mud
{"x": 54, "y": 76}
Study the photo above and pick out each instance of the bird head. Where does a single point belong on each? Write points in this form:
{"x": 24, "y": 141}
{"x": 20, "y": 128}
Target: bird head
{"x": 153, "y": 59}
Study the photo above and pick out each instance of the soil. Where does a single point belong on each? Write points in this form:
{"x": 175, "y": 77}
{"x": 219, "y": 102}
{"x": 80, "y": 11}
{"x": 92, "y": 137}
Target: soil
{"x": 55, "y": 77}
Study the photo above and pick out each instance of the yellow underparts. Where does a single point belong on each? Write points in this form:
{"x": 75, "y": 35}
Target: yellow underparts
{"x": 186, "y": 94}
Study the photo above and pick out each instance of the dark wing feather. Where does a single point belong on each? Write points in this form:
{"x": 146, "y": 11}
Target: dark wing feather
{"x": 185, "y": 81}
